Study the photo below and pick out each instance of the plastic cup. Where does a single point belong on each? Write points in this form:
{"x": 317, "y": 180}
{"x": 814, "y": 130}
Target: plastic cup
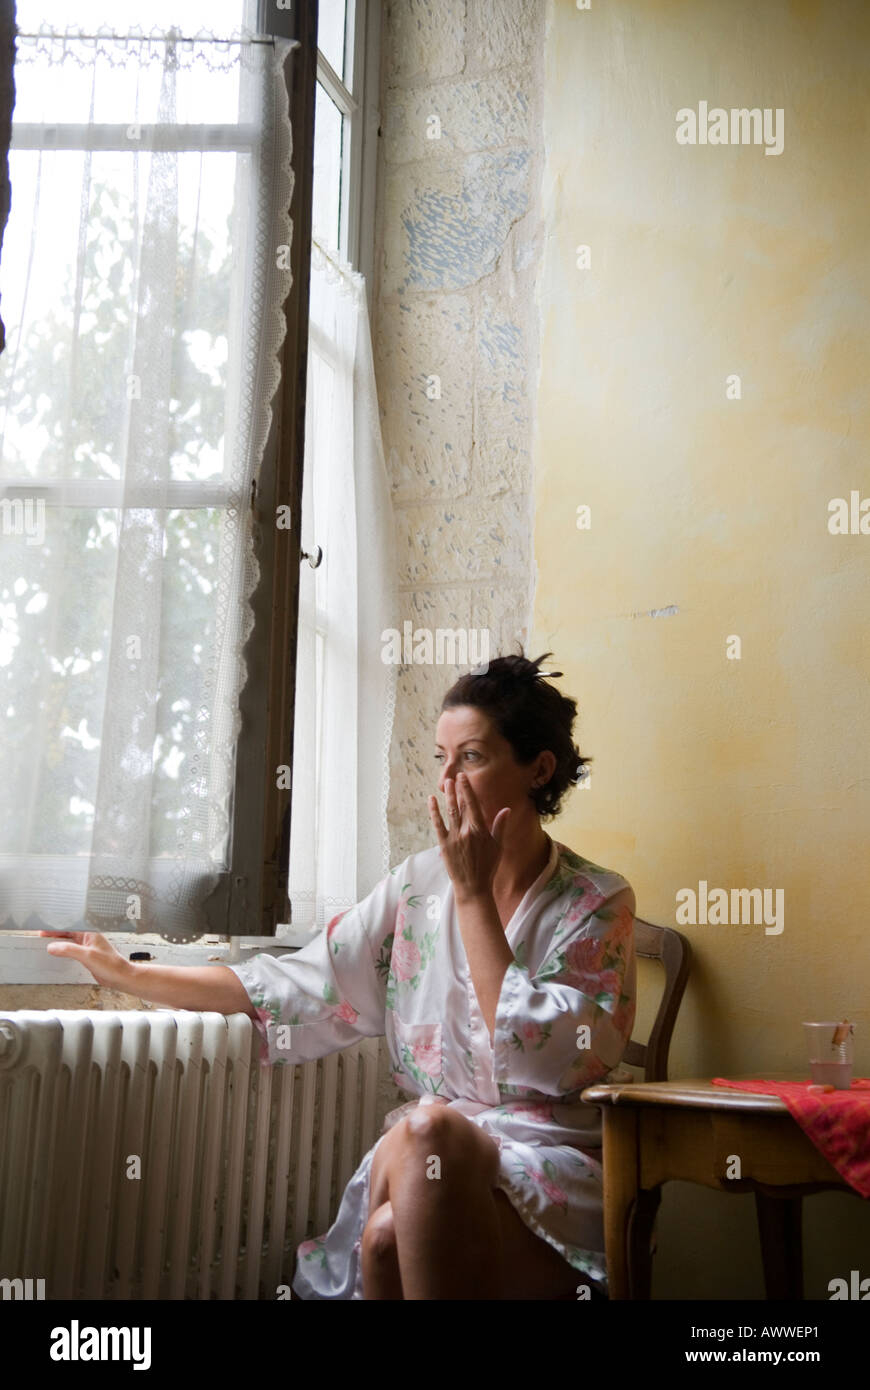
{"x": 830, "y": 1062}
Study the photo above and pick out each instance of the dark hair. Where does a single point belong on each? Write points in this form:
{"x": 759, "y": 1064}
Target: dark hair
{"x": 532, "y": 715}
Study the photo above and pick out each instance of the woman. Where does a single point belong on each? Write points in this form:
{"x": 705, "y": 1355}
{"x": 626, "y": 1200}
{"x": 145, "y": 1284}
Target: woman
{"x": 500, "y": 966}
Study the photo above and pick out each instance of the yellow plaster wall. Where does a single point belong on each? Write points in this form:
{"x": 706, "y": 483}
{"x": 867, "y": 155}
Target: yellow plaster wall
{"x": 707, "y": 261}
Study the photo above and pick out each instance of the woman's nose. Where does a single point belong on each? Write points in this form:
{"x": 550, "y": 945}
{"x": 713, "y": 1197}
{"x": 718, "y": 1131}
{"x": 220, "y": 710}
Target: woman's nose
{"x": 447, "y": 770}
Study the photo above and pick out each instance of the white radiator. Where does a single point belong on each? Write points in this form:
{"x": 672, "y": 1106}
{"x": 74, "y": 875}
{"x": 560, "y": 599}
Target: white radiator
{"x": 239, "y": 1162}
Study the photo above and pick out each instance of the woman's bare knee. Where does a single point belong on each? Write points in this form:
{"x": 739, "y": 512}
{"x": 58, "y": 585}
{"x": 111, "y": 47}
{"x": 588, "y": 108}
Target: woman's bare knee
{"x": 379, "y": 1255}
{"x": 379, "y": 1235}
{"x": 465, "y": 1153}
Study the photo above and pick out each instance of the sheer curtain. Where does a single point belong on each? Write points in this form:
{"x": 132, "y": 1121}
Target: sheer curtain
{"x": 345, "y": 693}
{"x": 151, "y": 189}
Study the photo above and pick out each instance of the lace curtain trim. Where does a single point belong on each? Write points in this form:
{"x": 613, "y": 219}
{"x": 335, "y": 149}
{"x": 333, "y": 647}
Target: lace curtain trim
{"x": 275, "y": 186}
{"x": 217, "y": 52}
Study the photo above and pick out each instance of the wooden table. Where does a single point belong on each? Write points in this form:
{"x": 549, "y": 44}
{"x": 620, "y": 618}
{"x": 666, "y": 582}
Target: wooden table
{"x": 660, "y": 1131}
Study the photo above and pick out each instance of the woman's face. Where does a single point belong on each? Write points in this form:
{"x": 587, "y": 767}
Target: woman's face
{"x": 467, "y": 741}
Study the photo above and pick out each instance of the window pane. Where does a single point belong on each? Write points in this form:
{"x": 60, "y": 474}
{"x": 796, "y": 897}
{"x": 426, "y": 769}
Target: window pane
{"x": 188, "y": 653}
{"x": 54, "y": 657}
{"x": 328, "y": 133}
{"x": 61, "y": 423}
{"x": 121, "y": 16}
{"x": 70, "y": 261}
{"x": 53, "y": 673}
{"x": 330, "y": 33}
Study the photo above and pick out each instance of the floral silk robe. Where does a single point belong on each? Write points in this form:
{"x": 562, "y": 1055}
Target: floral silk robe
{"x": 395, "y": 965}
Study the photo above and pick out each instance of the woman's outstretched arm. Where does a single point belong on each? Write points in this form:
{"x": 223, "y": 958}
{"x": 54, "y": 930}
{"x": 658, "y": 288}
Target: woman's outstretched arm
{"x": 207, "y": 988}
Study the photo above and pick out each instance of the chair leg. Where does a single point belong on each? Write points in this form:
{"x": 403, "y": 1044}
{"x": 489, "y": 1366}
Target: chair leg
{"x": 779, "y": 1227}
{"x": 640, "y": 1242}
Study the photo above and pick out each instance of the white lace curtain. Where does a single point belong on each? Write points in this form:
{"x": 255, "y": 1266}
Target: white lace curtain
{"x": 142, "y": 288}
{"x": 345, "y": 693}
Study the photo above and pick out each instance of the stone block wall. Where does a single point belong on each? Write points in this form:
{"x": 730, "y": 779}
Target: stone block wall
{"x": 455, "y": 340}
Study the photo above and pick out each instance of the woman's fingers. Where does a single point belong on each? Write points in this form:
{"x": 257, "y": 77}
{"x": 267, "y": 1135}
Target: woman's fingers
{"x": 63, "y": 943}
{"x": 63, "y": 948}
{"x": 95, "y": 953}
{"x": 435, "y": 817}
{"x": 452, "y": 803}
{"x": 470, "y": 801}
{"x": 72, "y": 950}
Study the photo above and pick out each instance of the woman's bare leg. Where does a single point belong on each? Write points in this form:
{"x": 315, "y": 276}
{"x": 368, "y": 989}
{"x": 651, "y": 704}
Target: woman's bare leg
{"x": 532, "y": 1267}
{"x": 447, "y": 1227}
{"x": 379, "y": 1256}
{"x": 529, "y": 1267}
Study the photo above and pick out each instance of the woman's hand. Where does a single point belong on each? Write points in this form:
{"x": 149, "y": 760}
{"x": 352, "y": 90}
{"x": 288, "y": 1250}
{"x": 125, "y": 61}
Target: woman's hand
{"x": 92, "y": 950}
{"x": 470, "y": 853}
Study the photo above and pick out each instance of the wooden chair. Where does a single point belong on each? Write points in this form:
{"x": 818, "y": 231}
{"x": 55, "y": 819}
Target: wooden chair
{"x": 669, "y": 946}
{"x": 675, "y": 953}
{"x": 673, "y": 950}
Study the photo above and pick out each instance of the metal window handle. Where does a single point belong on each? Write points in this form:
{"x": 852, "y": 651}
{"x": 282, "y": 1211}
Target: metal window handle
{"x": 314, "y": 558}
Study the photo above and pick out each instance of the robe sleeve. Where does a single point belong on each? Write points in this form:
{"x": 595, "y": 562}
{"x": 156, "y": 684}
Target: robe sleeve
{"x": 568, "y": 1025}
{"x": 330, "y": 993}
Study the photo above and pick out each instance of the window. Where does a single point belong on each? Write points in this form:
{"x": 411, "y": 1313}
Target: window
{"x": 344, "y": 139}
{"x": 129, "y": 258}
{"x": 345, "y": 131}
{"x": 339, "y": 844}
{"x": 333, "y": 169}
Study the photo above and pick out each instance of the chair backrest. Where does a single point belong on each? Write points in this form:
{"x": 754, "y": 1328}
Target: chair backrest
{"x": 673, "y": 950}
